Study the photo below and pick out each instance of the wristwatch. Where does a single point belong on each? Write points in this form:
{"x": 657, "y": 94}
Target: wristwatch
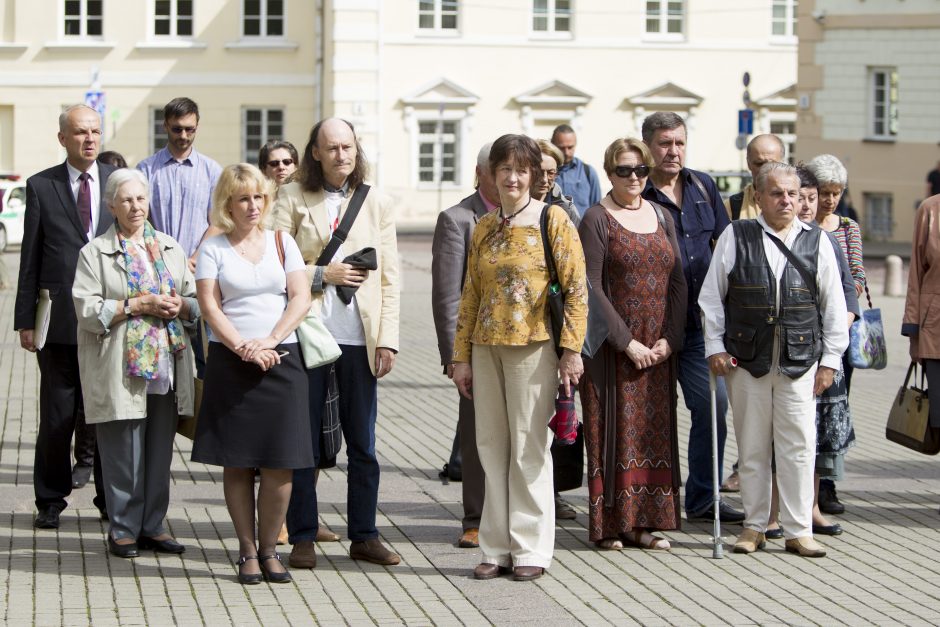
{"x": 127, "y": 307}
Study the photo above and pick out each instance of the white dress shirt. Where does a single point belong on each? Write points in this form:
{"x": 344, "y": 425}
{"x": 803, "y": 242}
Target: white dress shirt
{"x": 831, "y": 300}
{"x": 95, "y": 184}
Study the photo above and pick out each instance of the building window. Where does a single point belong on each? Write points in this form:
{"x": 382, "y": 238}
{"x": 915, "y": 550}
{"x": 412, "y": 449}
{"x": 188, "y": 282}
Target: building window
{"x": 259, "y": 126}
{"x": 173, "y": 18}
{"x": 158, "y": 136}
{"x": 551, "y": 16}
{"x": 786, "y": 131}
{"x": 879, "y": 216}
{"x": 263, "y": 18}
{"x": 438, "y": 151}
{"x": 783, "y": 19}
{"x": 884, "y": 102}
{"x": 437, "y": 15}
{"x": 665, "y": 17}
{"x": 82, "y": 18}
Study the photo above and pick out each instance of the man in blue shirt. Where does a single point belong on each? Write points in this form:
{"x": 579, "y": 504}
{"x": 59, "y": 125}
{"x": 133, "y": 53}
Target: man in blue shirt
{"x": 699, "y": 215}
{"x": 577, "y": 179}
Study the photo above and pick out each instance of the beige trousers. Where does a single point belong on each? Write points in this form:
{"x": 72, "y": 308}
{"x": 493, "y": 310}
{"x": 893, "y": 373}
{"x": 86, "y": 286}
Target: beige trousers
{"x": 514, "y": 391}
{"x": 775, "y": 414}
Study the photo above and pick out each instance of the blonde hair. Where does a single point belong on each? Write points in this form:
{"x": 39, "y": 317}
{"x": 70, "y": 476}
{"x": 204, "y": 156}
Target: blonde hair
{"x": 550, "y": 149}
{"x": 626, "y": 144}
{"x": 235, "y": 179}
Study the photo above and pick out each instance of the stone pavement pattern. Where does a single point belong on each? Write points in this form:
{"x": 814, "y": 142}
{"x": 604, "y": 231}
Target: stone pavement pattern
{"x": 885, "y": 569}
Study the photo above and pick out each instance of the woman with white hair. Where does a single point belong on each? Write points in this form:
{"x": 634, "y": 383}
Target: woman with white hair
{"x": 133, "y": 296}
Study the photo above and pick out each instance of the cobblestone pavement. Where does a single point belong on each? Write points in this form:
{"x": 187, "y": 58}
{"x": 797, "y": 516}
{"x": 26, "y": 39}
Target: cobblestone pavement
{"x": 885, "y": 569}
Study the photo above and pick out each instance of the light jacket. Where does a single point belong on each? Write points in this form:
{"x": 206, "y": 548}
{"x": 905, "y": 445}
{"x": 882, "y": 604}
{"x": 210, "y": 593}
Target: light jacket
{"x": 922, "y": 308}
{"x": 102, "y": 275}
{"x": 303, "y": 215}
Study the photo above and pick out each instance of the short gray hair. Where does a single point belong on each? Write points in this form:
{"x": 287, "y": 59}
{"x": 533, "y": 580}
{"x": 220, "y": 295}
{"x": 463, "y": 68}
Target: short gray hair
{"x": 660, "y": 121}
{"x": 773, "y": 169}
{"x": 64, "y": 116}
{"x": 828, "y": 169}
{"x": 118, "y": 178}
{"x": 483, "y": 157}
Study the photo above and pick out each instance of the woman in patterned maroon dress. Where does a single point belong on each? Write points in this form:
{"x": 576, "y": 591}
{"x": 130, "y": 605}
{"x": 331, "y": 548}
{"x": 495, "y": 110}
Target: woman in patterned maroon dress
{"x": 629, "y": 389}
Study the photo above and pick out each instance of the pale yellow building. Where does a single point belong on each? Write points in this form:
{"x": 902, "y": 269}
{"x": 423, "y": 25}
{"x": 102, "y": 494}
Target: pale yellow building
{"x": 426, "y": 82}
{"x": 868, "y": 92}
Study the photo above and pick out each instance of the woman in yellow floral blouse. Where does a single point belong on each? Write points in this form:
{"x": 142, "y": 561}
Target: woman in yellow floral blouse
{"x": 503, "y": 349}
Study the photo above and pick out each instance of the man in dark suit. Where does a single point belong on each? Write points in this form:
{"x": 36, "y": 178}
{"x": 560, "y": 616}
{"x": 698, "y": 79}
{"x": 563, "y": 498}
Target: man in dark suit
{"x": 448, "y": 266}
{"x": 65, "y": 209}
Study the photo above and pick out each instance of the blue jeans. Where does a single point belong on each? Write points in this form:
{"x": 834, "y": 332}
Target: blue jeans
{"x": 693, "y": 378}
{"x": 357, "y": 410}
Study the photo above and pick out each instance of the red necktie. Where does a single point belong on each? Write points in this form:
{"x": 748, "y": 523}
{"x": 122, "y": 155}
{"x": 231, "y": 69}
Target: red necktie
{"x": 84, "y": 200}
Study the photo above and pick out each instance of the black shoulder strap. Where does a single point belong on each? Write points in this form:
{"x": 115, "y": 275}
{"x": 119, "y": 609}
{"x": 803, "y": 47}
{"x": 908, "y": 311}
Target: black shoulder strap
{"x": 796, "y": 263}
{"x": 547, "y": 247}
{"x": 659, "y": 213}
{"x": 736, "y": 201}
{"x": 342, "y": 231}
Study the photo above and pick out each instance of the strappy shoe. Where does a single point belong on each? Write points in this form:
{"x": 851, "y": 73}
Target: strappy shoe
{"x": 635, "y": 538}
{"x": 609, "y": 544}
{"x": 272, "y": 577}
{"x": 246, "y": 578}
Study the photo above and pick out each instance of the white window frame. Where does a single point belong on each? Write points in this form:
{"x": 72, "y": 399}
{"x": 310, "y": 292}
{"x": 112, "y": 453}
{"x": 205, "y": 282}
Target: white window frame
{"x": 877, "y": 226}
{"x": 438, "y": 12}
{"x": 174, "y": 21}
{"x": 263, "y": 25}
{"x": 437, "y": 166}
{"x": 157, "y": 133}
{"x": 82, "y": 20}
{"x": 551, "y": 14}
{"x": 789, "y": 20}
{"x": 880, "y": 96}
{"x": 663, "y": 33}
{"x": 251, "y": 155}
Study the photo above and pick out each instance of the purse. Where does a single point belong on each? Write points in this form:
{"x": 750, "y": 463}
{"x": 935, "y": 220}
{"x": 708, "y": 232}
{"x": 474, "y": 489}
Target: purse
{"x": 186, "y": 425}
{"x": 568, "y": 463}
{"x": 317, "y": 345}
{"x": 597, "y": 329}
{"x": 331, "y": 433}
{"x": 867, "y": 347}
{"x": 909, "y": 421}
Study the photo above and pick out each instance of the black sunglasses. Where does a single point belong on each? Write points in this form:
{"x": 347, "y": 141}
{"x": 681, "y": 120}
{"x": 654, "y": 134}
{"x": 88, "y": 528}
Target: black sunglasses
{"x": 624, "y": 171}
{"x": 274, "y": 163}
{"x": 178, "y": 130}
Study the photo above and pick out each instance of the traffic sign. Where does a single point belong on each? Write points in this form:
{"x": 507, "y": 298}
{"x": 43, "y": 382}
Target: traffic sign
{"x": 96, "y": 100}
{"x": 740, "y": 142}
{"x": 745, "y": 121}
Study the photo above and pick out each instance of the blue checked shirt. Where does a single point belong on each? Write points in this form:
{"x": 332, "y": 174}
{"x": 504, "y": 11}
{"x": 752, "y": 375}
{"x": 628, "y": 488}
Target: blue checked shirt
{"x": 181, "y": 195}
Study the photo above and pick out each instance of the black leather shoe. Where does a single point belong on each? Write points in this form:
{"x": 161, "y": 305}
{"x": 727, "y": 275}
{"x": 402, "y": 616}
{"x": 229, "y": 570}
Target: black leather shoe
{"x": 827, "y": 530}
{"x": 828, "y": 499}
{"x": 273, "y": 577}
{"x": 122, "y": 550}
{"x": 160, "y": 546}
{"x": 47, "y": 518}
{"x": 80, "y": 476}
{"x": 726, "y": 514}
{"x": 103, "y": 514}
{"x": 248, "y": 579}
{"x": 774, "y": 534}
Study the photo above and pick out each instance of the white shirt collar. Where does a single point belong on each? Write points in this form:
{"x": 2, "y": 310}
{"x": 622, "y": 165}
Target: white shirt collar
{"x": 74, "y": 172}
{"x": 796, "y": 222}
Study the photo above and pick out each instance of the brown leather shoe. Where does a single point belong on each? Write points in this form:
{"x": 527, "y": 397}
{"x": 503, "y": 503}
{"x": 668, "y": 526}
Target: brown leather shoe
{"x": 749, "y": 541}
{"x": 470, "y": 539}
{"x": 325, "y": 535}
{"x": 303, "y": 555}
{"x": 732, "y": 483}
{"x": 805, "y": 546}
{"x": 373, "y": 551}
{"x": 489, "y": 571}
{"x": 527, "y": 573}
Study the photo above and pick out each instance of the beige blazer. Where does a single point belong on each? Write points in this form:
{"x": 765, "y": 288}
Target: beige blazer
{"x": 101, "y": 275}
{"x": 303, "y": 215}
{"x": 922, "y": 308}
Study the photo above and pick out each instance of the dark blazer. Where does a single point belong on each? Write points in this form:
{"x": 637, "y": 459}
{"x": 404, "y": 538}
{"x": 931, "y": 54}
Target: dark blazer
{"x": 450, "y": 248}
{"x": 52, "y": 238}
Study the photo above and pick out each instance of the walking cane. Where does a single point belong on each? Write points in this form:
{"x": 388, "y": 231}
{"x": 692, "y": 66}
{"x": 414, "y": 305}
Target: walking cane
{"x": 716, "y": 502}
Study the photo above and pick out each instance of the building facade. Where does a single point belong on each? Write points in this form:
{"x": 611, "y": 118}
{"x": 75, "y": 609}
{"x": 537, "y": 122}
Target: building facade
{"x": 869, "y": 93}
{"x": 426, "y": 82}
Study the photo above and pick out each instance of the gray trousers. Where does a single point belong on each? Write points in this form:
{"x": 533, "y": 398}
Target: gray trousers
{"x": 135, "y": 464}
{"x": 471, "y": 468}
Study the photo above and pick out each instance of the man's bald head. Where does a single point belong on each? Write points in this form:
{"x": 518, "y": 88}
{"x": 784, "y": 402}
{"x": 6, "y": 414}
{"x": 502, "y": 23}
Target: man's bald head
{"x": 764, "y": 149}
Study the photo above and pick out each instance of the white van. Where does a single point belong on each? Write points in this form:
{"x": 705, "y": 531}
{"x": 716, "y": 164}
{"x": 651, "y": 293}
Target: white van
{"x": 12, "y": 210}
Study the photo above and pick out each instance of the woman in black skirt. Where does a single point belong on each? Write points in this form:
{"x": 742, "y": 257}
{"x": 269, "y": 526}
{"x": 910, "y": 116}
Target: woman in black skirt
{"x": 254, "y": 406}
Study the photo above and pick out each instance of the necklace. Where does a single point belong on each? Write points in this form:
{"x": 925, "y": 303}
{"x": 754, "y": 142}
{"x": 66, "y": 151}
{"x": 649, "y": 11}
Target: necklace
{"x": 623, "y": 206}
{"x": 242, "y": 248}
{"x": 504, "y": 219}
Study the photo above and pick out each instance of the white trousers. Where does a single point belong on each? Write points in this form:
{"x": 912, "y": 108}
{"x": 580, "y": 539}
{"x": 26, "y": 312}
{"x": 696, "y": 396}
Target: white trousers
{"x": 514, "y": 390}
{"x": 775, "y": 414}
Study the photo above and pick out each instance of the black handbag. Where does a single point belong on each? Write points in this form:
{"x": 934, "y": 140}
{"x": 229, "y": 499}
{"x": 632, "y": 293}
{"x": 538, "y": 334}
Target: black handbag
{"x": 597, "y": 329}
{"x": 331, "y": 433}
{"x": 568, "y": 463}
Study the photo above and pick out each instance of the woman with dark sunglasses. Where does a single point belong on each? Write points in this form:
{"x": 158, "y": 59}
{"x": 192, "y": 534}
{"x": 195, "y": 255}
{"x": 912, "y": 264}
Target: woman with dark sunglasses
{"x": 629, "y": 389}
{"x": 278, "y": 160}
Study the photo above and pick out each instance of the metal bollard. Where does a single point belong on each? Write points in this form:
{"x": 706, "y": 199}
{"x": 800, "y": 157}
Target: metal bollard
{"x": 893, "y": 286}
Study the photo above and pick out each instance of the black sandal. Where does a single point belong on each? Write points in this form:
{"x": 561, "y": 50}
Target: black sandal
{"x": 244, "y": 578}
{"x": 274, "y": 577}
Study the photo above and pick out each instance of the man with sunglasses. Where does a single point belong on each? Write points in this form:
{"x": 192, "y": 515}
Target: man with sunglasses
{"x": 181, "y": 180}
{"x": 699, "y": 215}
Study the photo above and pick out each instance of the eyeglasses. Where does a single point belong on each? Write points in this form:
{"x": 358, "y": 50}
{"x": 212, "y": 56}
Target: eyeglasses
{"x": 178, "y": 130}
{"x": 551, "y": 173}
{"x": 624, "y": 171}
{"x": 274, "y": 162}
